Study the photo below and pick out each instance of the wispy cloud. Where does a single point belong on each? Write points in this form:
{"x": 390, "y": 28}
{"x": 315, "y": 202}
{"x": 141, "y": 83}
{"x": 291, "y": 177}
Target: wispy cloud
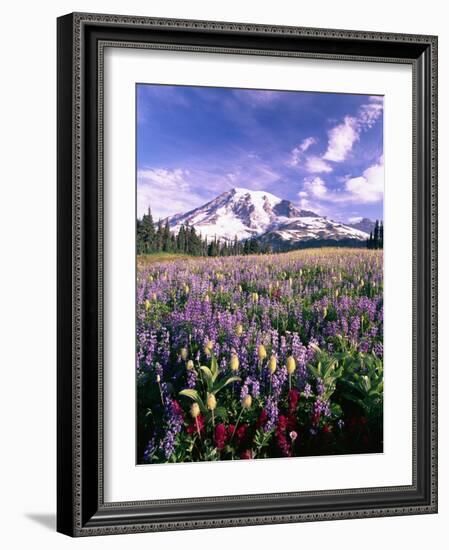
{"x": 167, "y": 191}
{"x": 298, "y": 152}
{"x": 369, "y": 113}
{"x": 315, "y": 187}
{"x": 343, "y": 136}
{"x": 369, "y": 187}
{"x": 341, "y": 139}
{"x": 316, "y": 165}
{"x": 257, "y": 98}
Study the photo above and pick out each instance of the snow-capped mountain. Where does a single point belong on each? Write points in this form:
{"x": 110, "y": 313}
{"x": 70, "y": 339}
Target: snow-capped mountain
{"x": 365, "y": 224}
{"x": 244, "y": 214}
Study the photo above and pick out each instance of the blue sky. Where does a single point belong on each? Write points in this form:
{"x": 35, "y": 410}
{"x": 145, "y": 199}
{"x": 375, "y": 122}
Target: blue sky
{"x": 322, "y": 151}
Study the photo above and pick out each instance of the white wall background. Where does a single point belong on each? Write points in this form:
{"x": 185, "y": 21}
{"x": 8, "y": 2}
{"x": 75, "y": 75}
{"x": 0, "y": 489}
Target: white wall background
{"x": 27, "y": 272}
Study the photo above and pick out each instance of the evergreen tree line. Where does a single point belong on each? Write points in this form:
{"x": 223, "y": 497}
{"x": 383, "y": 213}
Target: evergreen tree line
{"x": 376, "y": 237}
{"x": 157, "y": 237}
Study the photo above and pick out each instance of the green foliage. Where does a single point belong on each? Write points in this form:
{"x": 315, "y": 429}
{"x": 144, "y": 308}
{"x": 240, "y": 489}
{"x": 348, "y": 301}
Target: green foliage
{"x": 213, "y": 384}
{"x": 376, "y": 237}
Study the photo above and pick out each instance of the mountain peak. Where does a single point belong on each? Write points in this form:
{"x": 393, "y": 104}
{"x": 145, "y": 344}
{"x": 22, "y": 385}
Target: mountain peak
{"x": 244, "y": 213}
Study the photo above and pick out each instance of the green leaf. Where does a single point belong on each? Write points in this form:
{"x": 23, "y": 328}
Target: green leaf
{"x": 225, "y": 382}
{"x": 208, "y": 376}
{"x": 214, "y": 368}
{"x": 314, "y": 371}
{"x": 194, "y": 395}
{"x": 222, "y": 413}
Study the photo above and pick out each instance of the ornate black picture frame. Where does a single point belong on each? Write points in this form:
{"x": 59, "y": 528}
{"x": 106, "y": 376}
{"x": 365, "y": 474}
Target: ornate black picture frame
{"x": 81, "y": 509}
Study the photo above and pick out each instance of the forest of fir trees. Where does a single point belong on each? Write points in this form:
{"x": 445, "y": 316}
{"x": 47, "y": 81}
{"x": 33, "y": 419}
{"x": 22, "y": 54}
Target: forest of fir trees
{"x": 156, "y": 237}
{"x": 376, "y": 237}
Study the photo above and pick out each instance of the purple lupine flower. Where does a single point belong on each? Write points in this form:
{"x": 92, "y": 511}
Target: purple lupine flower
{"x": 174, "y": 421}
{"x": 191, "y": 378}
{"x": 272, "y": 411}
{"x": 307, "y": 390}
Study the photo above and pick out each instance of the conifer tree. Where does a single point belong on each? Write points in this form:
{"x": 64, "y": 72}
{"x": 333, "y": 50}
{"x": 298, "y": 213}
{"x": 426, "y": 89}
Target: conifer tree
{"x": 145, "y": 233}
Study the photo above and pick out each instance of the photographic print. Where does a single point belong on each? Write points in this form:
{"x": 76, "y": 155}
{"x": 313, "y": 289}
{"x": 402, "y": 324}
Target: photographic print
{"x": 259, "y": 292}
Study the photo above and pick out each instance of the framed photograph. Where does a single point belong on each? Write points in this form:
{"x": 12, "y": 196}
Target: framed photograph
{"x": 247, "y": 278}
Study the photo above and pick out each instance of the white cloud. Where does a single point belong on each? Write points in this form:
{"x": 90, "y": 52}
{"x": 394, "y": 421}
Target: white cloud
{"x": 306, "y": 143}
{"x": 298, "y": 151}
{"x": 341, "y": 139}
{"x": 166, "y": 191}
{"x": 257, "y": 98}
{"x": 355, "y": 219}
{"x": 369, "y": 114}
{"x": 162, "y": 176}
{"x": 315, "y": 187}
{"x": 343, "y": 136}
{"x": 364, "y": 189}
{"x": 171, "y": 191}
{"x": 369, "y": 187}
{"x": 316, "y": 165}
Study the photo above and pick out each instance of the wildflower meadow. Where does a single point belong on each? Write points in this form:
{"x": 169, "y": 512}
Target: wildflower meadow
{"x": 263, "y": 356}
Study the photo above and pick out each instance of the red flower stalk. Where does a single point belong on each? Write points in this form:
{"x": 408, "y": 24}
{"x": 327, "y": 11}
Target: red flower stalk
{"x": 192, "y": 428}
{"x": 220, "y": 436}
{"x": 241, "y": 433}
{"x": 282, "y": 443}
{"x": 282, "y": 423}
{"x": 246, "y": 454}
{"x": 293, "y": 398}
{"x": 281, "y": 437}
{"x": 263, "y": 418}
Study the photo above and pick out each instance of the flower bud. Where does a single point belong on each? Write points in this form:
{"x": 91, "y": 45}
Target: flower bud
{"x": 189, "y": 365}
{"x": 195, "y": 410}
{"x": 154, "y": 296}
{"x": 184, "y": 353}
{"x": 293, "y": 436}
{"x": 206, "y": 298}
{"x": 291, "y": 365}
{"x": 272, "y": 364}
{"x": 255, "y": 297}
{"x": 262, "y": 352}
{"x": 186, "y": 289}
{"x": 239, "y": 330}
{"x": 158, "y": 378}
{"x": 147, "y": 304}
{"x": 211, "y": 402}
{"x": 234, "y": 363}
{"x": 208, "y": 347}
{"x": 247, "y": 401}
